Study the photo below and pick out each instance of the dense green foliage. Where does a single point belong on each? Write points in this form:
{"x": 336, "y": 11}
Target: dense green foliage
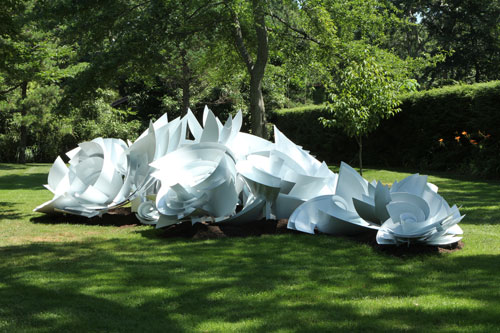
{"x": 303, "y": 126}
{"x": 50, "y": 134}
{"x": 58, "y": 58}
{"x": 451, "y": 128}
{"x": 412, "y": 138}
{"x": 465, "y": 32}
{"x": 60, "y": 275}
{"x": 364, "y": 95}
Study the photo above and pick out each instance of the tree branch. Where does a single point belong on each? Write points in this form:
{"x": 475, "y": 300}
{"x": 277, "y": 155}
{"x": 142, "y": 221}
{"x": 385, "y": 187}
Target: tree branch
{"x": 240, "y": 44}
{"x": 10, "y": 89}
{"x": 301, "y": 32}
{"x": 208, "y": 4}
{"x": 262, "y": 44}
{"x": 128, "y": 10}
{"x": 289, "y": 36}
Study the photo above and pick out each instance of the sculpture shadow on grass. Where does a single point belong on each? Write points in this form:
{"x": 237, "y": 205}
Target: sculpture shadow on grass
{"x": 202, "y": 231}
{"x": 118, "y": 217}
{"x": 251, "y": 284}
{"x": 122, "y": 217}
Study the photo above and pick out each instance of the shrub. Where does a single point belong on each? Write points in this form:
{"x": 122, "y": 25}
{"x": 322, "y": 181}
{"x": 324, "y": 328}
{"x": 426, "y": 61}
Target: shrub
{"x": 302, "y": 125}
{"x": 428, "y": 133}
{"x": 52, "y": 133}
{"x": 423, "y": 135}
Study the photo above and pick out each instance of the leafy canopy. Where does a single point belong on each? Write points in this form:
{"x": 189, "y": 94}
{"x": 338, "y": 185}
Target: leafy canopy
{"x": 364, "y": 94}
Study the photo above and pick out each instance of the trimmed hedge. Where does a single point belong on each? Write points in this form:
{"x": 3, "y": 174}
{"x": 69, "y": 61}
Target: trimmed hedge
{"x": 302, "y": 126}
{"x": 455, "y": 128}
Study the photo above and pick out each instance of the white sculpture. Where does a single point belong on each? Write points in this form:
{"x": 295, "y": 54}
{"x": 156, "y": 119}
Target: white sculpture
{"x": 335, "y": 213}
{"x": 93, "y": 181}
{"x": 418, "y": 214}
{"x": 410, "y": 211}
{"x": 196, "y": 180}
{"x": 226, "y": 176}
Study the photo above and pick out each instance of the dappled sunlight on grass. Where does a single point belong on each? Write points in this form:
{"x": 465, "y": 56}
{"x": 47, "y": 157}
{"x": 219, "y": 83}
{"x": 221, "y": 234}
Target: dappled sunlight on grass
{"x": 480, "y": 200}
{"x": 77, "y": 277}
{"x": 295, "y": 282}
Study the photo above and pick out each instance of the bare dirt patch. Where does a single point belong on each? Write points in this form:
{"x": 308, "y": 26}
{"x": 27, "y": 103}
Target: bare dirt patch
{"x": 213, "y": 231}
{"x": 272, "y": 227}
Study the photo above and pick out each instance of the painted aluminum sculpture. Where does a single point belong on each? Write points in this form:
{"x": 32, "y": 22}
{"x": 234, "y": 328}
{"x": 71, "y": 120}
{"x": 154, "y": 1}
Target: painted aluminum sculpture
{"x": 225, "y": 176}
{"x": 410, "y": 211}
{"x": 93, "y": 181}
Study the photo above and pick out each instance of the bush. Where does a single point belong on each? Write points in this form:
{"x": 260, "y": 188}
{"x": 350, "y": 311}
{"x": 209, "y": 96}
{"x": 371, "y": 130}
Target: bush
{"x": 449, "y": 128}
{"x": 97, "y": 118}
{"x": 46, "y": 131}
{"x": 453, "y": 128}
{"x": 51, "y": 133}
{"x": 302, "y": 126}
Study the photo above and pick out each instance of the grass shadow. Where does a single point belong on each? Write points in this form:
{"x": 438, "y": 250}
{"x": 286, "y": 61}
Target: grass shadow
{"x": 479, "y": 200}
{"x": 32, "y": 181}
{"x": 8, "y": 166}
{"x": 260, "y": 284}
{"x": 8, "y": 211}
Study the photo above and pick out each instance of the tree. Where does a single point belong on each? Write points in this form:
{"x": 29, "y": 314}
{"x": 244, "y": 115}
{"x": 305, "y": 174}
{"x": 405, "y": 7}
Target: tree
{"x": 466, "y": 31}
{"x": 156, "y": 46}
{"x": 471, "y": 30}
{"x": 30, "y": 59}
{"x": 256, "y": 67}
{"x": 162, "y": 43}
{"x": 153, "y": 52}
{"x": 291, "y": 35}
{"x": 364, "y": 94}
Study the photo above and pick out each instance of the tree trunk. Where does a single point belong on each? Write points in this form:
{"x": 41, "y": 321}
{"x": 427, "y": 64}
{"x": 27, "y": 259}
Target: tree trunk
{"x": 478, "y": 73}
{"x": 23, "y": 131}
{"x": 255, "y": 69}
{"x": 186, "y": 78}
{"x": 360, "y": 144}
{"x": 257, "y": 109}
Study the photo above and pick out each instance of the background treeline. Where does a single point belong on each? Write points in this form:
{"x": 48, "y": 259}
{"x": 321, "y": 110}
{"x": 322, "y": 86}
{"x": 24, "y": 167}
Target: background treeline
{"x": 454, "y": 128}
{"x": 74, "y": 70}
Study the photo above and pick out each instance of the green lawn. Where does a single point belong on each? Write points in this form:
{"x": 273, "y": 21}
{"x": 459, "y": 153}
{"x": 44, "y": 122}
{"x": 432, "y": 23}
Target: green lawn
{"x": 69, "y": 277}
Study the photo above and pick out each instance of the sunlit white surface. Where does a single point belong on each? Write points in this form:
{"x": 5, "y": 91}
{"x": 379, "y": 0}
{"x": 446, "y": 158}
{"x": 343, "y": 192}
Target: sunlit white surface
{"x": 182, "y": 170}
